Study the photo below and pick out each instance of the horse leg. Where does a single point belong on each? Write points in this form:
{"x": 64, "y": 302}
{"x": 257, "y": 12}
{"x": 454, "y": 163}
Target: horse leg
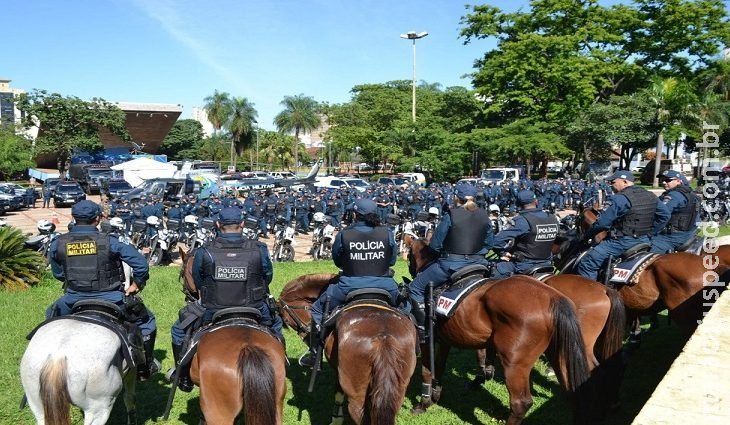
{"x": 130, "y": 398}
{"x": 440, "y": 366}
{"x": 517, "y": 379}
{"x": 485, "y": 363}
{"x": 338, "y": 411}
{"x": 426, "y": 380}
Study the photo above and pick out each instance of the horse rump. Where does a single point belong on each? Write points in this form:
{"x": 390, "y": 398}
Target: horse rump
{"x": 259, "y": 386}
{"x": 54, "y": 395}
{"x": 388, "y": 380}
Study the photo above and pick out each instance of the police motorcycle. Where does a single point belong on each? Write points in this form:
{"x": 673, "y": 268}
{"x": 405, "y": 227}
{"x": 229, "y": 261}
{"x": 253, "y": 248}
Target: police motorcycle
{"x": 147, "y": 237}
{"x": 499, "y": 220}
{"x": 250, "y": 229}
{"x": 283, "y": 240}
{"x": 323, "y": 237}
{"x": 716, "y": 205}
{"x": 42, "y": 241}
{"x": 116, "y": 227}
{"x": 405, "y": 225}
{"x": 196, "y": 234}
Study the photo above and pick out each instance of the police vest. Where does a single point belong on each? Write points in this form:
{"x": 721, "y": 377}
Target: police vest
{"x": 640, "y": 218}
{"x": 87, "y": 262}
{"x": 466, "y": 235}
{"x": 537, "y": 243}
{"x": 366, "y": 253}
{"x": 683, "y": 219}
{"x": 232, "y": 274}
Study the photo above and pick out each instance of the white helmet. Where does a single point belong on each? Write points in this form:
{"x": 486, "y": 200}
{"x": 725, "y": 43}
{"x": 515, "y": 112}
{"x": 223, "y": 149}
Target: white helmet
{"x": 116, "y": 223}
{"x": 45, "y": 226}
{"x": 494, "y": 208}
{"x": 153, "y": 220}
{"x": 319, "y": 217}
{"x": 434, "y": 211}
{"x": 191, "y": 219}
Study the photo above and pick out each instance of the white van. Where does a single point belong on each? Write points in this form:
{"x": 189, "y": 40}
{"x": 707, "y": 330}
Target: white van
{"x": 417, "y": 178}
{"x": 499, "y": 175}
{"x": 333, "y": 182}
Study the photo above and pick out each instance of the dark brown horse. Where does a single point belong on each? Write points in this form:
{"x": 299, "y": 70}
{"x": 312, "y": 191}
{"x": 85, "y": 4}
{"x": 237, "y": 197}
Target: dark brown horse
{"x": 520, "y": 318}
{"x": 674, "y": 281}
{"x": 238, "y": 369}
{"x": 372, "y": 348}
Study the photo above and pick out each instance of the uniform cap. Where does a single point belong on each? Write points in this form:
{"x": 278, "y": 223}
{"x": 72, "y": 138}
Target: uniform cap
{"x": 365, "y": 206}
{"x": 230, "y": 215}
{"x": 621, "y": 174}
{"x": 525, "y": 197}
{"x": 85, "y": 210}
{"x": 673, "y": 174}
{"x": 465, "y": 190}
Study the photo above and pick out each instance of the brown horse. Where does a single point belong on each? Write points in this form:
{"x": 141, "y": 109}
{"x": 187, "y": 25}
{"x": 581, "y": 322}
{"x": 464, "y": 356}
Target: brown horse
{"x": 240, "y": 369}
{"x": 674, "y": 281}
{"x": 519, "y": 328}
{"x": 372, "y": 348}
{"x": 238, "y": 357}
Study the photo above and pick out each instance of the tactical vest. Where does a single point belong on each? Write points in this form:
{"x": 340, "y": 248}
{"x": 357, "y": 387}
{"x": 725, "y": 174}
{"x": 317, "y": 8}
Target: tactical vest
{"x": 366, "y": 253}
{"x": 466, "y": 235}
{"x": 640, "y": 218}
{"x": 87, "y": 262}
{"x": 684, "y": 218}
{"x": 232, "y": 274}
{"x": 537, "y": 244}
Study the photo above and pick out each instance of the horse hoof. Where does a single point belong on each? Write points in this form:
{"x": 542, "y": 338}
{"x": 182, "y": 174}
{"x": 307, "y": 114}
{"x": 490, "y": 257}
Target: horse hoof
{"x": 419, "y": 408}
{"x": 489, "y": 373}
{"x": 435, "y": 395}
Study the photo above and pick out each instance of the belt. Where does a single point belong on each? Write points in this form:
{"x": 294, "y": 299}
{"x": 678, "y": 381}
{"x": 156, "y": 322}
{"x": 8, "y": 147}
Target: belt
{"x": 462, "y": 256}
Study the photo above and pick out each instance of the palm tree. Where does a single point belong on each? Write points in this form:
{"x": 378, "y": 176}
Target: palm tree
{"x": 218, "y": 107}
{"x": 299, "y": 115}
{"x": 242, "y": 116}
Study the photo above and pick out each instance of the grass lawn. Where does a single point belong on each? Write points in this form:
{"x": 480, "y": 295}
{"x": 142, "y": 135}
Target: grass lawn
{"x": 22, "y": 310}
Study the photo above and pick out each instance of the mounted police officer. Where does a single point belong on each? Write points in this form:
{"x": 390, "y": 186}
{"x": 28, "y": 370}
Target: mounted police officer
{"x": 89, "y": 264}
{"x": 632, "y": 217}
{"x": 364, "y": 251}
{"x": 533, "y": 233}
{"x": 684, "y": 206}
{"x": 230, "y": 272}
{"x": 463, "y": 238}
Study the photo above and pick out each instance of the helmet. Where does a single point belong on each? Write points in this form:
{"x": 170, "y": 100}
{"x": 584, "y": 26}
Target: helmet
{"x": 319, "y": 217}
{"x": 494, "y": 208}
{"x": 116, "y": 223}
{"x": 153, "y": 220}
{"x": 45, "y": 226}
{"x": 191, "y": 219}
{"x": 433, "y": 211}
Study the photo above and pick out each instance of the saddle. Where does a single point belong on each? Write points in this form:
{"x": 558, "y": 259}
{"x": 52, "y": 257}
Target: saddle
{"x": 693, "y": 245}
{"x": 625, "y": 269}
{"x": 460, "y": 284}
{"x": 109, "y": 316}
{"x": 539, "y": 272}
{"x": 248, "y": 317}
{"x": 360, "y": 297}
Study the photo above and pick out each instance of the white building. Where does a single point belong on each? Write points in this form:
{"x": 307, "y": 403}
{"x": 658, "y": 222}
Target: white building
{"x": 9, "y": 112}
{"x": 201, "y": 115}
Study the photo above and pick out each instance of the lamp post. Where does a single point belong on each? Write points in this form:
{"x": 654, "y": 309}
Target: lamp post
{"x": 256, "y": 129}
{"x": 412, "y": 35}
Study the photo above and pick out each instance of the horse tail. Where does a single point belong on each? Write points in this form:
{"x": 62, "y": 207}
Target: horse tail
{"x": 259, "y": 387}
{"x": 383, "y": 398}
{"x": 54, "y": 392}
{"x": 567, "y": 344}
{"x": 611, "y": 339}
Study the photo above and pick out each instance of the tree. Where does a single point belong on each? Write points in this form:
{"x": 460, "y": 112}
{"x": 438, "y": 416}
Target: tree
{"x": 218, "y": 107}
{"x": 184, "y": 135}
{"x": 299, "y": 115}
{"x": 240, "y": 124}
{"x": 213, "y": 148}
{"x": 15, "y": 154}
{"x": 69, "y": 124}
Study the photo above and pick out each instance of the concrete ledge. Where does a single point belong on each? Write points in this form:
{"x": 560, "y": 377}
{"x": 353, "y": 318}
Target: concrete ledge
{"x": 696, "y": 389}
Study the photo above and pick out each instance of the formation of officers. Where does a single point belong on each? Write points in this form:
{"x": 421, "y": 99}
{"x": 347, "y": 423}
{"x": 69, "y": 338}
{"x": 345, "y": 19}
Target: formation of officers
{"x": 234, "y": 271}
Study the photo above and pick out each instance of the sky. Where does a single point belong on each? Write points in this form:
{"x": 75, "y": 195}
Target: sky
{"x": 181, "y": 51}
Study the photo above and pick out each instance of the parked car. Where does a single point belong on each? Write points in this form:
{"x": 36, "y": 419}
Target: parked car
{"x": 115, "y": 188}
{"x": 68, "y": 193}
{"x": 282, "y": 175}
{"x": 333, "y": 182}
{"x": 394, "y": 180}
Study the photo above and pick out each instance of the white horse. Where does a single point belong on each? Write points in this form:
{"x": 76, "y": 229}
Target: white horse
{"x": 73, "y": 362}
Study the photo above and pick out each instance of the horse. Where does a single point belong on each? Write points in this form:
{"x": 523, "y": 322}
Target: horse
{"x": 73, "y": 362}
{"x": 240, "y": 369}
{"x": 673, "y": 281}
{"x": 237, "y": 357}
{"x": 498, "y": 316}
{"x": 372, "y": 349}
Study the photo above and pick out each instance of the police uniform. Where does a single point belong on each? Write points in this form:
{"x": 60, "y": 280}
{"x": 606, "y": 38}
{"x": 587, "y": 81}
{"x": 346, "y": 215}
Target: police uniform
{"x": 684, "y": 206}
{"x": 462, "y": 238}
{"x": 633, "y": 216}
{"x": 533, "y": 233}
{"x": 90, "y": 265}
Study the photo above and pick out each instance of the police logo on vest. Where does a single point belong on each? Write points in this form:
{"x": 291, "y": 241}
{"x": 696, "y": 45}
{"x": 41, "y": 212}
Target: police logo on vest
{"x": 371, "y": 250}
{"x": 546, "y": 232}
{"x": 230, "y": 273}
{"x": 81, "y": 248}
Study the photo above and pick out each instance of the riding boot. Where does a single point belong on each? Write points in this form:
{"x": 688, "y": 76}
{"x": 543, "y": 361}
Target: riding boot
{"x": 151, "y": 365}
{"x": 419, "y": 314}
{"x": 184, "y": 382}
{"x": 312, "y": 340}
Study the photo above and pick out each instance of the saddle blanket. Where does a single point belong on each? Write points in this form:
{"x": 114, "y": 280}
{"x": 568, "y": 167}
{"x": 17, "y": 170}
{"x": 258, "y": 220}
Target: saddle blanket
{"x": 192, "y": 345}
{"x": 624, "y": 272}
{"x": 447, "y": 302}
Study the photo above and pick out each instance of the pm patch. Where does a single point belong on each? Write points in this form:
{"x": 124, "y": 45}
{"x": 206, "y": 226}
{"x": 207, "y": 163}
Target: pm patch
{"x": 80, "y": 248}
{"x": 546, "y": 232}
{"x": 230, "y": 273}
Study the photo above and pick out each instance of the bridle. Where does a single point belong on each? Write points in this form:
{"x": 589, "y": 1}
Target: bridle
{"x": 301, "y": 327}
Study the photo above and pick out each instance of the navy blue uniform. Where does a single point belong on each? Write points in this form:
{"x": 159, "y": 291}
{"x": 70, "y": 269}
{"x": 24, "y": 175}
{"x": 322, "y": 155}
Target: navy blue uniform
{"x": 520, "y": 228}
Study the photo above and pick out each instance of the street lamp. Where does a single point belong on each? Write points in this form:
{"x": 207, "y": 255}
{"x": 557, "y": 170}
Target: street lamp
{"x": 256, "y": 129}
{"x": 412, "y": 35}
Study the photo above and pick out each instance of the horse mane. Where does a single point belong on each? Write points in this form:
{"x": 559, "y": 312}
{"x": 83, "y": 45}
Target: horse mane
{"x": 307, "y": 287}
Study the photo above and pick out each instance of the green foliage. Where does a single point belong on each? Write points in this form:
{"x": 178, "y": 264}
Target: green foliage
{"x": 214, "y": 148}
{"x": 275, "y": 149}
{"x": 15, "y": 154}
{"x": 19, "y": 267}
{"x": 185, "y": 135}
{"x": 300, "y": 115}
{"x": 68, "y": 123}
{"x": 218, "y": 106}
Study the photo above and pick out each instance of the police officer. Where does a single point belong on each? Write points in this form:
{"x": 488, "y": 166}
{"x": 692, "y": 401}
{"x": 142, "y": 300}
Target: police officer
{"x": 533, "y": 233}
{"x": 230, "y": 272}
{"x": 463, "y": 238}
{"x": 89, "y": 264}
{"x": 632, "y": 217}
{"x": 364, "y": 251}
{"x": 684, "y": 207}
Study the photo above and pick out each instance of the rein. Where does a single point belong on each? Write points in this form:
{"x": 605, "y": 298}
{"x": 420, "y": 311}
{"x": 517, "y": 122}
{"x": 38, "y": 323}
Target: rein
{"x": 302, "y": 328}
